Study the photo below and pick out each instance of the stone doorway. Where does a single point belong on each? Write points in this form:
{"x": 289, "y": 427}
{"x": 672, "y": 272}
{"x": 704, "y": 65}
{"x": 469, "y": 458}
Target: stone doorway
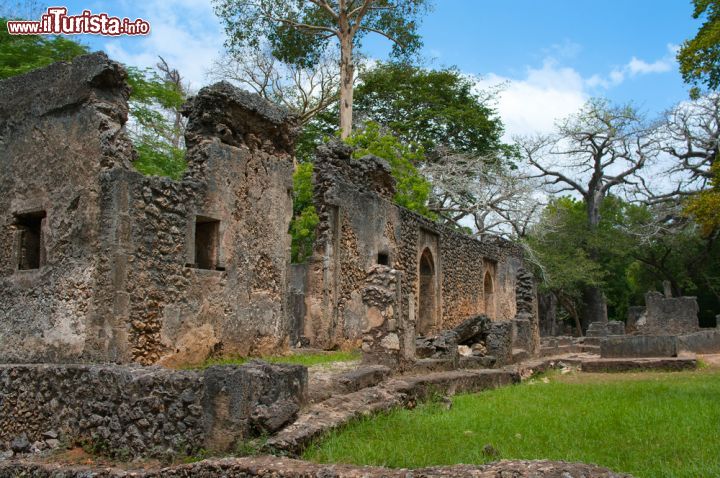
{"x": 489, "y": 295}
{"x": 427, "y": 299}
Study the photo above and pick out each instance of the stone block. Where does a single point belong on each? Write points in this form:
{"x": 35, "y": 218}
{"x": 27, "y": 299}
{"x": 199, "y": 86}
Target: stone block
{"x": 703, "y": 342}
{"x": 616, "y": 327}
{"x": 638, "y": 346}
{"x": 499, "y": 342}
{"x": 597, "y": 329}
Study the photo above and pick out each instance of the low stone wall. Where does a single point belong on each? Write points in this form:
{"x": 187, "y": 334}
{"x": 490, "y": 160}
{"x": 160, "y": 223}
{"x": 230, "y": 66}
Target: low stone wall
{"x": 274, "y": 467}
{"x": 639, "y": 346}
{"x": 131, "y": 411}
{"x": 703, "y": 342}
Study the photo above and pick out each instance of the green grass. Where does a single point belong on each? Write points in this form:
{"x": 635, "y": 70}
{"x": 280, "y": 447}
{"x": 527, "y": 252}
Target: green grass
{"x": 652, "y": 425}
{"x": 296, "y": 359}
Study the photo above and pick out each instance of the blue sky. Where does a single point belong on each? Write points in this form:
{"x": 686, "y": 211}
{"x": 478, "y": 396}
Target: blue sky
{"x": 550, "y": 55}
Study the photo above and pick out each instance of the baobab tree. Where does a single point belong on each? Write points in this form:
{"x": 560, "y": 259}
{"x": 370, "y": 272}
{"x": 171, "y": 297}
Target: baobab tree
{"x": 599, "y": 149}
{"x": 299, "y": 31}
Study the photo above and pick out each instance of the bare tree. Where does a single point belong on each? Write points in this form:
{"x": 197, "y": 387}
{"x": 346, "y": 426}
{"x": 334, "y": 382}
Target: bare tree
{"x": 689, "y": 135}
{"x": 478, "y": 191}
{"x": 172, "y": 76}
{"x": 305, "y": 91}
{"x": 601, "y": 148}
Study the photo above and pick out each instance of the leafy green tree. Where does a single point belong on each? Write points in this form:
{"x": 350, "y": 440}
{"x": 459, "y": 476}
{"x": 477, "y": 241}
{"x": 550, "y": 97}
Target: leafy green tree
{"x": 305, "y": 218}
{"x": 598, "y": 150}
{"x": 431, "y": 108}
{"x": 571, "y": 256}
{"x": 156, "y": 126}
{"x": 705, "y": 206}
{"x": 699, "y": 57}
{"x": 300, "y": 31}
{"x": 412, "y": 189}
{"x": 22, "y": 53}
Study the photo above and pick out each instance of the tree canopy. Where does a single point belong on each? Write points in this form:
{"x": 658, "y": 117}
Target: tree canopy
{"x": 22, "y": 53}
{"x": 699, "y": 57}
{"x": 299, "y": 31}
{"x": 432, "y": 108}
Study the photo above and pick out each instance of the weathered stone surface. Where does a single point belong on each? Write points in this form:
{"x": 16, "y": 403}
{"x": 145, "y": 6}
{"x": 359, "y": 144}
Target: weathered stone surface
{"x": 446, "y": 277}
{"x": 634, "y": 314}
{"x": 668, "y": 316}
{"x": 703, "y": 342}
{"x": 119, "y": 277}
{"x": 472, "y": 330}
{"x": 276, "y": 467}
{"x": 597, "y": 329}
{"x": 146, "y": 411}
{"x": 639, "y": 364}
{"x": 499, "y": 342}
{"x": 616, "y": 327}
{"x": 393, "y": 393}
{"x": 441, "y": 346}
{"x": 522, "y": 334}
{"x": 638, "y": 346}
{"x": 384, "y": 340}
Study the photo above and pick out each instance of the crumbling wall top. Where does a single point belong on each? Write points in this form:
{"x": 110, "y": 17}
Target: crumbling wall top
{"x": 239, "y": 118}
{"x": 92, "y": 78}
{"x": 369, "y": 173}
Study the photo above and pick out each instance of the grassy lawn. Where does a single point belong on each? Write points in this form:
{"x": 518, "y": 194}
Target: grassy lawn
{"x": 651, "y": 425}
{"x": 296, "y": 359}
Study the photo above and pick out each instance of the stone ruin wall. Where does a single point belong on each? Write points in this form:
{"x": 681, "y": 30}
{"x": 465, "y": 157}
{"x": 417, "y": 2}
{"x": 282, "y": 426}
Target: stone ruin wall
{"x": 668, "y": 315}
{"x": 60, "y": 129}
{"x": 118, "y": 281}
{"x": 134, "y": 411}
{"x": 359, "y": 221}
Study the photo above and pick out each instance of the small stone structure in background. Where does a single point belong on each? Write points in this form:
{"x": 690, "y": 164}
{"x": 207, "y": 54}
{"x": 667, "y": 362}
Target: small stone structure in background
{"x": 668, "y": 315}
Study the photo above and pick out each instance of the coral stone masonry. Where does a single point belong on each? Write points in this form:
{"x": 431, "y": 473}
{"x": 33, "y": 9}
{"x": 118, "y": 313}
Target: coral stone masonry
{"x": 99, "y": 263}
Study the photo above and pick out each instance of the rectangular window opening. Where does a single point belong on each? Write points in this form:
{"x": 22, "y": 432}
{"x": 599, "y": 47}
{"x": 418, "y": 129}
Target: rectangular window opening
{"x": 207, "y": 239}
{"x": 383, "y": 259}
{"x": 31, "y": 247}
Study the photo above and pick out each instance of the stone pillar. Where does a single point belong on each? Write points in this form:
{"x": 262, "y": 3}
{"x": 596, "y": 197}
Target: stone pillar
{"x": 384, "y": 338}
{"x": 499, "y": 341}
{"x": 526, "y": 329}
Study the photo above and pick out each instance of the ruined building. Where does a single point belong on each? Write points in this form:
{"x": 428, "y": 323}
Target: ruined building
{"x": 380, "y": 272}
{"x": 99, "y": 263}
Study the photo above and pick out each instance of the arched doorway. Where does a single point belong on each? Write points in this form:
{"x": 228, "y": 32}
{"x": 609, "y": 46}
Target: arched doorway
{"x": 489, "y": 296}
{"x": 427, "y": 306}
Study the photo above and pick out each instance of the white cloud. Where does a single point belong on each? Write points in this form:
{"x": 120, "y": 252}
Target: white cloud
{"x": 533, "y": 104}
{"x": 635, "y": 67}
{"x": 186, "y": 33}
{"x": 640, "y": 67}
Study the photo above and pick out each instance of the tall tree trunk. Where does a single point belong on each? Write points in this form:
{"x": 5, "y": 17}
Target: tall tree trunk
{"x": 595, "y": 303}
{"x": 595, "y": 306}
{"x": 346, "y": 83}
